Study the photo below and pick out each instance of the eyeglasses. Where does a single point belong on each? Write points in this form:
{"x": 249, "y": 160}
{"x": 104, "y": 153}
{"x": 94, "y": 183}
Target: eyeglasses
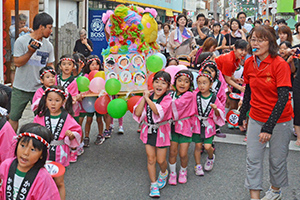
{"x": 257, "y": 40}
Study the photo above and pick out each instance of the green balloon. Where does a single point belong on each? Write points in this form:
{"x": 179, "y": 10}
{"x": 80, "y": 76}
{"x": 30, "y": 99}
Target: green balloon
{"x": 83, "y": 83}
{"x": 112, "y": 86}
{"x": 154, "y": 63}
{"x": 117, "y": 108}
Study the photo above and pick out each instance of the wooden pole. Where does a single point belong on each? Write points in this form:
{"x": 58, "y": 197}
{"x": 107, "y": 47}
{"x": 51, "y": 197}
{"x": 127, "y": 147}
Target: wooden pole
{"x": 16, "y": 19}
{"x": 56, "y": 31}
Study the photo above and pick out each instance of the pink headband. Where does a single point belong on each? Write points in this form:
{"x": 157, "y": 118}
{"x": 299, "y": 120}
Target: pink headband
{"x": 92, "y": 59}
{"x": 69, "y": 59}
{"x": 42, "y": 140}
{"x": 46, "y": 71}
{"x": 183, "y": 74}
{"x": 56, "y": 90}
{"x": 206, "y": 75}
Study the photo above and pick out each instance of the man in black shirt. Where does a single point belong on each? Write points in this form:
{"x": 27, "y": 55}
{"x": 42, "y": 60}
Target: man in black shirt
{"x": 200, "y": 31}
{"x": 83, "y": 45}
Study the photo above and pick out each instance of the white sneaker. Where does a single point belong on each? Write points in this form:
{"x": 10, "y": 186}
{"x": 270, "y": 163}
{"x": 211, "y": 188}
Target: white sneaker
{"x": 199, "y": 171}
{"x": 209, "y": 164}
{"x": 272, "y": 195}
{"x": 121, "y": 130}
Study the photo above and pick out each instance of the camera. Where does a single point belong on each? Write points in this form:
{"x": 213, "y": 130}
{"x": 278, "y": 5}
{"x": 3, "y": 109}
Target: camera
{"x": 34, "y": 45}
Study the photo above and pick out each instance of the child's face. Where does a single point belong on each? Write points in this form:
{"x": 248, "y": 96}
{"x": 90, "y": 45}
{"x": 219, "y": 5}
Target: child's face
{"x": 160, "y": 87}
{"x": 54, "y": 102}
{"x": 204, "y": 84}
{"x": 212, "y": 71}
{"x": 138, "y": 60}
{"x": 139, "y": 77}
{"x": 67, "y": 67}
{"x": 283, "y": 50}
{"x": 27, "y": 155}
{"x": 173, "y": 62}
{"x": 94, "y": 66}
{"x": 182, "y": 84}
{"x": 48, "y": 79}
{"x": 123, "y": 62}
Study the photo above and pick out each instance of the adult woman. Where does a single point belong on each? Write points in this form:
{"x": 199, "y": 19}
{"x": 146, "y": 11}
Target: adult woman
{"x": 236, "y": 33}
{"x": 219, "y": 37}
{"x": 209, "y": 45}
{"x": 163, "y": 40}
{"x": 176, "y": 43}
{"x": 285, "y": 34}
{"x": 267, "y": 78}
{"x": 296, "y": 38}
{"x": 83, "y": 45}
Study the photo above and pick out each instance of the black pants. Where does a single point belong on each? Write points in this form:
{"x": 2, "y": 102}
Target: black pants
{"x": 296, "y": 100}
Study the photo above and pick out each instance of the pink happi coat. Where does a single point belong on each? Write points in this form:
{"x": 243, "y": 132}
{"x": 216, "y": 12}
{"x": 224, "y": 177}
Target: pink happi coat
{"x": 43, "y": 186}
{"x": 63, "y": 151}
{"x": 183, "y": 108}
{"x": 36, "y": 98}
{"x": 7, "y": 142}
{"x": 73, "y": 90}
{"x": 165, "y": 114}
{"x": 212, "y": 120}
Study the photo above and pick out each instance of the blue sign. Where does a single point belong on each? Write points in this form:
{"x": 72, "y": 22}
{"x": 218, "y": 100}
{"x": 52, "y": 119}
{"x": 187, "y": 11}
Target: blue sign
{"x": 96, "y": 32}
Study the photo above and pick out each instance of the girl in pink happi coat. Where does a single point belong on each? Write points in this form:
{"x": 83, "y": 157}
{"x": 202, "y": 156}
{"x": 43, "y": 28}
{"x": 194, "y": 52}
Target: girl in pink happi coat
{"x": 154, "y": 111}
{"x": 210, "y": 112}
{"x": 181, "y": 133}
{"x": 24, "y": 177}
{"x": 66, "y": 131}
{"x": 47, "y": 77}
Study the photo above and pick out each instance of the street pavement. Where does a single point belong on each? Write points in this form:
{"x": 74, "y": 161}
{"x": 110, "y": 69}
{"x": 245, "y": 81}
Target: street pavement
{"x": 117, "y": 169}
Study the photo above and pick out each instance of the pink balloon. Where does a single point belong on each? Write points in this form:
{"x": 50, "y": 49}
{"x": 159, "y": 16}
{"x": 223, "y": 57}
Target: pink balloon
{"x": 97, "y": 84}
{"x": 173, "y": 69}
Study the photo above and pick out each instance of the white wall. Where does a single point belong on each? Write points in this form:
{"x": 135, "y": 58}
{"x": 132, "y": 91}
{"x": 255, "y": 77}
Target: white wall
{"x": 67, "y": 11}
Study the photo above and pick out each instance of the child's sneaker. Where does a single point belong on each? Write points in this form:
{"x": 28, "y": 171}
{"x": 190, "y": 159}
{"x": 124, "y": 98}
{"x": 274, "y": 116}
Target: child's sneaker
{"x": 73, "y": 156}
{"x": 121, "y": 130}
{"x": 209, "y": 164}
{"x": 173, "y": 179}
{"x": 245, "y": 139}
{"x": 86, "y": 142}
{"x": 182, "y": 177}
{"x": 272, "y": 194}
{"x": 107, "y": 133}
{"x": 199, "y": 170}
{"x": 154, "y": 191}
{"x": 219, "y": 134}
{"x": 162, "y": 179}
{"x": 80, "y": 150}
{"x": 100, "y": 139}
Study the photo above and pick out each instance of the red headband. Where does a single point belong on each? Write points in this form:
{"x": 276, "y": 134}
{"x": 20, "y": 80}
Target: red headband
{"x": 183, "y": 74}
{"x": 81, "y": 61}
{"x": 162, "y": 79}
{"x": 56, "y": 90}
{"x": 92, "y": 59}
{"x": 208, "y": 57}
{"x": 69, "y": 59}
{"x": 46, "y": 71}
{"x": 206, "y": 75}
{"x": 209, "y": 63}
{"x": 42, "y": 140}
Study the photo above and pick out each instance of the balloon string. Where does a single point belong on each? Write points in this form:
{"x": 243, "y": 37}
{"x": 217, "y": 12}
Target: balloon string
{"x": 102, "y": 93}
{"x": 128, "y": 93}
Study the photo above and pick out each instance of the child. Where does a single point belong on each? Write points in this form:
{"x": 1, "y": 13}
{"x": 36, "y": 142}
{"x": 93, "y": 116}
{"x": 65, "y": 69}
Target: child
{"x": 181, "y": 133}
{"x": 25, "y": 177}
{"x": 94, "y": 63}
{"x": 172, "y": 61}
{"x": 7, "y": 143}
{"x": 47, "y": 78}
{"x": 209, "y": 113}
{"x": 59, "y": 121}
{"x": 80, "y": 62}
{"x": 154, "y": 110}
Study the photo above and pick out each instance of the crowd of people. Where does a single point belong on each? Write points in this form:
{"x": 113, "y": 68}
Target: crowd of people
{"x": 256, "y": 62}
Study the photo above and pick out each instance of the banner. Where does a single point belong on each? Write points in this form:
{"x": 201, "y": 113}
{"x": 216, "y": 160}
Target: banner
{"x": 96, "y": 32}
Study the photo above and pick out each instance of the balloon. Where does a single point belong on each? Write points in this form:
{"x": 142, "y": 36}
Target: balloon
{"x": 101, "y": 104}
{"x": 150, "y": 81}
{"x": 112, "y": 86}
{"x": 163, "y": 57}
{"x": 88, "y": 104}
{"x": 117, "y": 108}
{"x": 83, "y": 83}
{"x": 100, "y": 74}
{"x": 92, "y": 74}
{"x": 154, "y": 63}
{"x": 173, "y": 69}
{"x": 97, "y": 84}
{"x": 132, "y": 101}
